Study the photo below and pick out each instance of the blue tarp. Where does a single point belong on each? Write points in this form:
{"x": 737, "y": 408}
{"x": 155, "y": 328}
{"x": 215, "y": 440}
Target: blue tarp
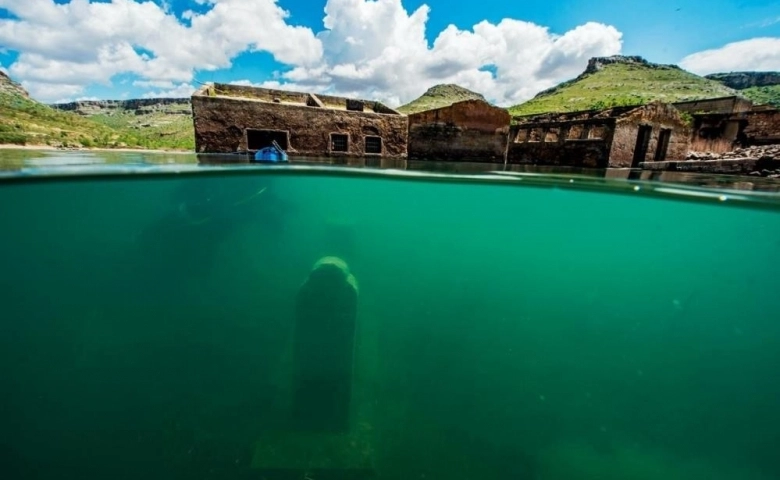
{"x": 273, "y": 153}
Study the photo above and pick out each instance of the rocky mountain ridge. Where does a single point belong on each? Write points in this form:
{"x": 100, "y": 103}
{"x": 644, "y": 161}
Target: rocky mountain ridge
{"x": 745, "y": 80}
{"x": 182, "y": 106}
{"x": 8, "y": 86}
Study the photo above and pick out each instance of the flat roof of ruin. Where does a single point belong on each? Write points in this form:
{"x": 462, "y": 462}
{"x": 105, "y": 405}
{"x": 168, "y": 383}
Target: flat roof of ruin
{"x": 289, "y": 97}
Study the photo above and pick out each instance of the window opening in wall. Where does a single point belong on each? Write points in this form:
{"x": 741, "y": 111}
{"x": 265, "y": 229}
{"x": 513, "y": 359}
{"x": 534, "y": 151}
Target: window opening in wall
{"x": 339, "y": 142}
{"x": 258, "y": 139}
{"x": 536, "y": 135}
{"x": 373, "y": 145}
{"x": 354, "y": 105}
{"x": 597, "y": 132}
{"x": 642, "y": 142}
{"x": 522, "y": 136}
{"x": 552, "y": 135}
{"x": 663, "y": 144}
{"x": 574, "y": 132}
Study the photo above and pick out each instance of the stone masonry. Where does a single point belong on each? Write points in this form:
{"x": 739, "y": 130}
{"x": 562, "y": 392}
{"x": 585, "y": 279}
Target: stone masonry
{"x": 471, "y": 130}
{"x": 227, "y": 116}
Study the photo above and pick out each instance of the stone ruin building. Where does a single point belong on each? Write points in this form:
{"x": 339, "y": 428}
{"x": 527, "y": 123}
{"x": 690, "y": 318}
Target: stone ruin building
{"x": 723, "y": 124}
{"x": 470, "y": 131}
{"x": 232, "y": 118}
{"x": 615, "y": 137}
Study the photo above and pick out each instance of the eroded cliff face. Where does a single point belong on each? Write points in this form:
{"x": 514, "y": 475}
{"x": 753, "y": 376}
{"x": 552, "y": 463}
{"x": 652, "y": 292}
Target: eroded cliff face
{"x": 8, "y": 86}
{"x": 745, "y": 80}
{"x": 174, "y": 106}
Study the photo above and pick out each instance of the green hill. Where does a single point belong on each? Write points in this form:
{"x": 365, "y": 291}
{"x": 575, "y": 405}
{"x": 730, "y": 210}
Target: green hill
{"x": 763, "y": 95}
{"x": 760, "y": 87}
{"x": 439, "y": 96}
{"x": 24, "y": 121}
{"x": 617, "y": 81}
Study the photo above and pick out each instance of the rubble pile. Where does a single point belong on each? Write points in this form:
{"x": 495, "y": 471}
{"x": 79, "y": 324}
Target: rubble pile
{"x": 763, "y": 160}
{"x": 764, "y": 152}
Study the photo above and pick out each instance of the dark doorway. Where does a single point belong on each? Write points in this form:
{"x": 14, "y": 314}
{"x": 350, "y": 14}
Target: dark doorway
{"x": 257, "y": 139}
{"x": 642, "y": 142}
{"x": 663, "y": 145}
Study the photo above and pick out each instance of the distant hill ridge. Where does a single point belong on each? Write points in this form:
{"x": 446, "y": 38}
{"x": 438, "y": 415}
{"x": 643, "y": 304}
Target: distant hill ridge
{"x": 93, "y": 107}
{"x": 745, "y": 80}
{"x": 164, "y": 123}
{"x": 621, "y": 81}
{"x": 440, "y": 96}
{"x": 760, "y": 87}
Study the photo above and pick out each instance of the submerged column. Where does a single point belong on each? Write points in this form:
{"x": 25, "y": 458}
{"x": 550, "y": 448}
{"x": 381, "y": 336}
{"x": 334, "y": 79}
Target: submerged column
{"x": 324, "y": 347}
{"x": 328, "y": 435}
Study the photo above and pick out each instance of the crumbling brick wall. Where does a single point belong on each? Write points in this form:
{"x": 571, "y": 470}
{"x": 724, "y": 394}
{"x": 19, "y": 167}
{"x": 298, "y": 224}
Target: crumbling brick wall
{"x": 472, "y": 130}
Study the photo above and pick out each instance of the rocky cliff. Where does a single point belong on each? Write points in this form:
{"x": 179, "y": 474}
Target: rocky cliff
{"x": 745, "y": 80}
{"x": 597, "y": 64}
{"x": 176, "y": 106}
{"x": 8, "y": 86}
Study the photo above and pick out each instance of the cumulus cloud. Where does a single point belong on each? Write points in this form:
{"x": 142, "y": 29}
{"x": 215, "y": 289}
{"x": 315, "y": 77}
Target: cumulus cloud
{"x": 368, "y": 48}
{"x": 81, "y": 42}
{"x": 171, "y": 90}
{"x": 379, "y": 49}
{"x": 757, "y": 54}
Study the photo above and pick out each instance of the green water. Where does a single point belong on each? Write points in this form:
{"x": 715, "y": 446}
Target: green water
{"x": 507, "y": 330}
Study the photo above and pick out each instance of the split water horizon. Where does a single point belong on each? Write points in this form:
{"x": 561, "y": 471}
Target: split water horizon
{"x": 524, "y": 323}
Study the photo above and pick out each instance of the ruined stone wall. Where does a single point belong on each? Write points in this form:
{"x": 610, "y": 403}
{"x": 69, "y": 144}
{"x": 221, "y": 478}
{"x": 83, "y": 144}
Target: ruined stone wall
{"x": 715, "y": 105}
{"x": 659, "y": 116}
{"x": 221, "y": 123}
{"x": 763, "y": 127}
{"x": 472, "y": 130}
{"x": 267, "y": 95}
{"x": 579, "y": 143}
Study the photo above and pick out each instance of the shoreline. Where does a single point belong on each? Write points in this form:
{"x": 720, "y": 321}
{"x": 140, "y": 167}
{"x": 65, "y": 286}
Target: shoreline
{"x": 10, "y": 146}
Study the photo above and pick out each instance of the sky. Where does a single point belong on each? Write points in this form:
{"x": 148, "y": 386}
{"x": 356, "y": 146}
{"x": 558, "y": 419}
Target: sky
{"x": 388, "y": 50}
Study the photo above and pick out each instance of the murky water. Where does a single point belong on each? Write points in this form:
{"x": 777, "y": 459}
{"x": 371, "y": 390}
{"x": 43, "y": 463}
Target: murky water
{"x": 520, "y": 327}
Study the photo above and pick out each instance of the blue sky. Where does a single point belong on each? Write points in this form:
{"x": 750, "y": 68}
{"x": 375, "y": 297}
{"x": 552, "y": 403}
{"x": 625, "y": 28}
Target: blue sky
{"x": 387, "y": 49}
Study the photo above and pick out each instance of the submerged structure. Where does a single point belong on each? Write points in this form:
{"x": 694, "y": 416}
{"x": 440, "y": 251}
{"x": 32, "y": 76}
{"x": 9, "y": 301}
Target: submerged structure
{"x": 615, "y": 137}
{"x": 232, "y": 118}
{"x": 470, "y": 130}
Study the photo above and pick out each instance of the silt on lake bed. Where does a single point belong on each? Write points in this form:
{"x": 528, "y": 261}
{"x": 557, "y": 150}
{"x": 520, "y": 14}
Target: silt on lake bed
{"x": 502, "y": 325}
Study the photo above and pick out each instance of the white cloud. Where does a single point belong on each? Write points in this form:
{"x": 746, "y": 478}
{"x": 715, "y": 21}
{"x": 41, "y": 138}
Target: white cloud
{"x": 757, "y": 54}
{"x": 182, "y": 90}
{"x": 377, "y": 49}
{"x": 80, "y": 43}
{"x": 369, "y": 48}
{"x": 52, "y": 92}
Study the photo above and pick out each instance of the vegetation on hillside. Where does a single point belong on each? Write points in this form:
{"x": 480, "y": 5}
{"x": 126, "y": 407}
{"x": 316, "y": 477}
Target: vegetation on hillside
{"x": 619, "y": 84}
{"x": 24, "y": 121}
{"x": 763, "y": 95}
{"x": 439, "y": 96}
{"x": 152, "y": 130}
